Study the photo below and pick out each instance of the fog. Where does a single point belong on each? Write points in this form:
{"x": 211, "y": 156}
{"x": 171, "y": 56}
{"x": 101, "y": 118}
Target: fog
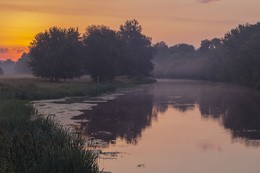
{"x": 10, "y": 67}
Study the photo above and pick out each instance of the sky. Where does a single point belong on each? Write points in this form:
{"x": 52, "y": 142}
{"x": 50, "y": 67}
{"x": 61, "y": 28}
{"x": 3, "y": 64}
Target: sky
{"x": 172, "y": 21}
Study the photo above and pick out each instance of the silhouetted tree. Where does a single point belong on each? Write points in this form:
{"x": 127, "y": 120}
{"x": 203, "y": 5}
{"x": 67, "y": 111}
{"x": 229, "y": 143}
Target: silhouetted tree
{"x": 22, "y": 66}
{"x": 182, "y": 49}
{"x": 137, "y": 52}
{"x": 160, "y": 46}
{"x": 204, "y": 46}
{"x": 102, "y": 53}
{"x": 56, "y": 54}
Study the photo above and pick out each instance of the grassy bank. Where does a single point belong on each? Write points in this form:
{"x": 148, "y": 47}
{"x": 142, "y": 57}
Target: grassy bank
{"x": 30, "y": 88}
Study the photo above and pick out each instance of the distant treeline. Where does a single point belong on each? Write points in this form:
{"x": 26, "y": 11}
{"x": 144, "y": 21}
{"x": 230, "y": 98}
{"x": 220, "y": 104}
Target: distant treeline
{"x": 233, "y": 58}
{"x": 8, "y": 66}
{"x": 103, "y": 53}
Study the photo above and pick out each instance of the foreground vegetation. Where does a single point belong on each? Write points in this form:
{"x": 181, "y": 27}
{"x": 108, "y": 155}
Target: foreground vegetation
{"x": 30, "y": 144}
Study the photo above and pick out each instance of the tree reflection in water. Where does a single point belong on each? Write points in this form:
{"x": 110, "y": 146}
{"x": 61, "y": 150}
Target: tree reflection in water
{"x": 124, "y": 117}
{"x": 236, "y": 108}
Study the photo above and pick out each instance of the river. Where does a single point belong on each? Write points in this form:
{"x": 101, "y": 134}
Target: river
{"x": 180, "y": 126}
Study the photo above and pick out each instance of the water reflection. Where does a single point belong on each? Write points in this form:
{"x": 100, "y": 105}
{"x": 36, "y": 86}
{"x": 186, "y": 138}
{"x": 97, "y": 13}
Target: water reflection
{"x": 236, "y": 108}
{"x": 125, "y": 117}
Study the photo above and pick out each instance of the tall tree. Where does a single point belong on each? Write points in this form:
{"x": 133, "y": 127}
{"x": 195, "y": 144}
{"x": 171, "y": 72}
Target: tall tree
{"x": 56, "y": 54}
{"x": 102, "y": 53}
{"x": 138, "y": 51}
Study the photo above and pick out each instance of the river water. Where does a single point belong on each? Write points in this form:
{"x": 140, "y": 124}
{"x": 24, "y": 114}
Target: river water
{"x": 179, "y": 126}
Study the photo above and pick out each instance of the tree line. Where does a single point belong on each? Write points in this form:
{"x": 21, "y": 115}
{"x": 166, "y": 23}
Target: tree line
{"x": 103, "y": 53}
{"x": 10, "y": 67}
{"x": 233, "y": 58}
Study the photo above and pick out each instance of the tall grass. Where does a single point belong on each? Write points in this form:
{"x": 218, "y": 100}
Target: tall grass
{"x": 31, "y": 144}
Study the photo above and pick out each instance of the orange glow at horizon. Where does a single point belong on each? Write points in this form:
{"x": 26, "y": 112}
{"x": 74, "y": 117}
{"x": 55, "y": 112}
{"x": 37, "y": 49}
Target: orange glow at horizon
{"x": 13, "y": 53}
{"x": 172, "y": 21}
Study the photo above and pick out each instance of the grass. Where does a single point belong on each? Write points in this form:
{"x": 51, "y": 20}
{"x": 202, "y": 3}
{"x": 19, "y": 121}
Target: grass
{"x": 30, "y": 88}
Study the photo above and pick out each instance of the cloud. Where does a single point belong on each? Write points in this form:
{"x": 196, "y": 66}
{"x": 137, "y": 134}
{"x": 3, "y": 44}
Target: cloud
{"x": 4, "y": 50}
{"x": 206, "y": 1}
{"x": 20, "y": 50}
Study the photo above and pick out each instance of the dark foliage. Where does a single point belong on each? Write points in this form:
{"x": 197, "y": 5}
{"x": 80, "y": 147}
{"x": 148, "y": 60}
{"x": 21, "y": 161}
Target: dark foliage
{"x": 56, "y": 54}
{"x": 102, "y": 53}
{"x": 137, "y": 51}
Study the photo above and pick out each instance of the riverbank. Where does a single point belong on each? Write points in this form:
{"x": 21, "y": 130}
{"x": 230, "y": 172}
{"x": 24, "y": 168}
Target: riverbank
{"x": 31, "y": 88}
{"x": 30, "y": 143}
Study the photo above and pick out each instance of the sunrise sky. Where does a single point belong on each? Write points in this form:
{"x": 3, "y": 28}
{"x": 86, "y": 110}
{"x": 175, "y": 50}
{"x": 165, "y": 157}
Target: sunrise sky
{"x": 172, "y": 21}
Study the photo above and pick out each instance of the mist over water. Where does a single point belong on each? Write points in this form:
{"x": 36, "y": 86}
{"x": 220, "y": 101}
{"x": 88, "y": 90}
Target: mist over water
{"x": 174, "y": 123}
